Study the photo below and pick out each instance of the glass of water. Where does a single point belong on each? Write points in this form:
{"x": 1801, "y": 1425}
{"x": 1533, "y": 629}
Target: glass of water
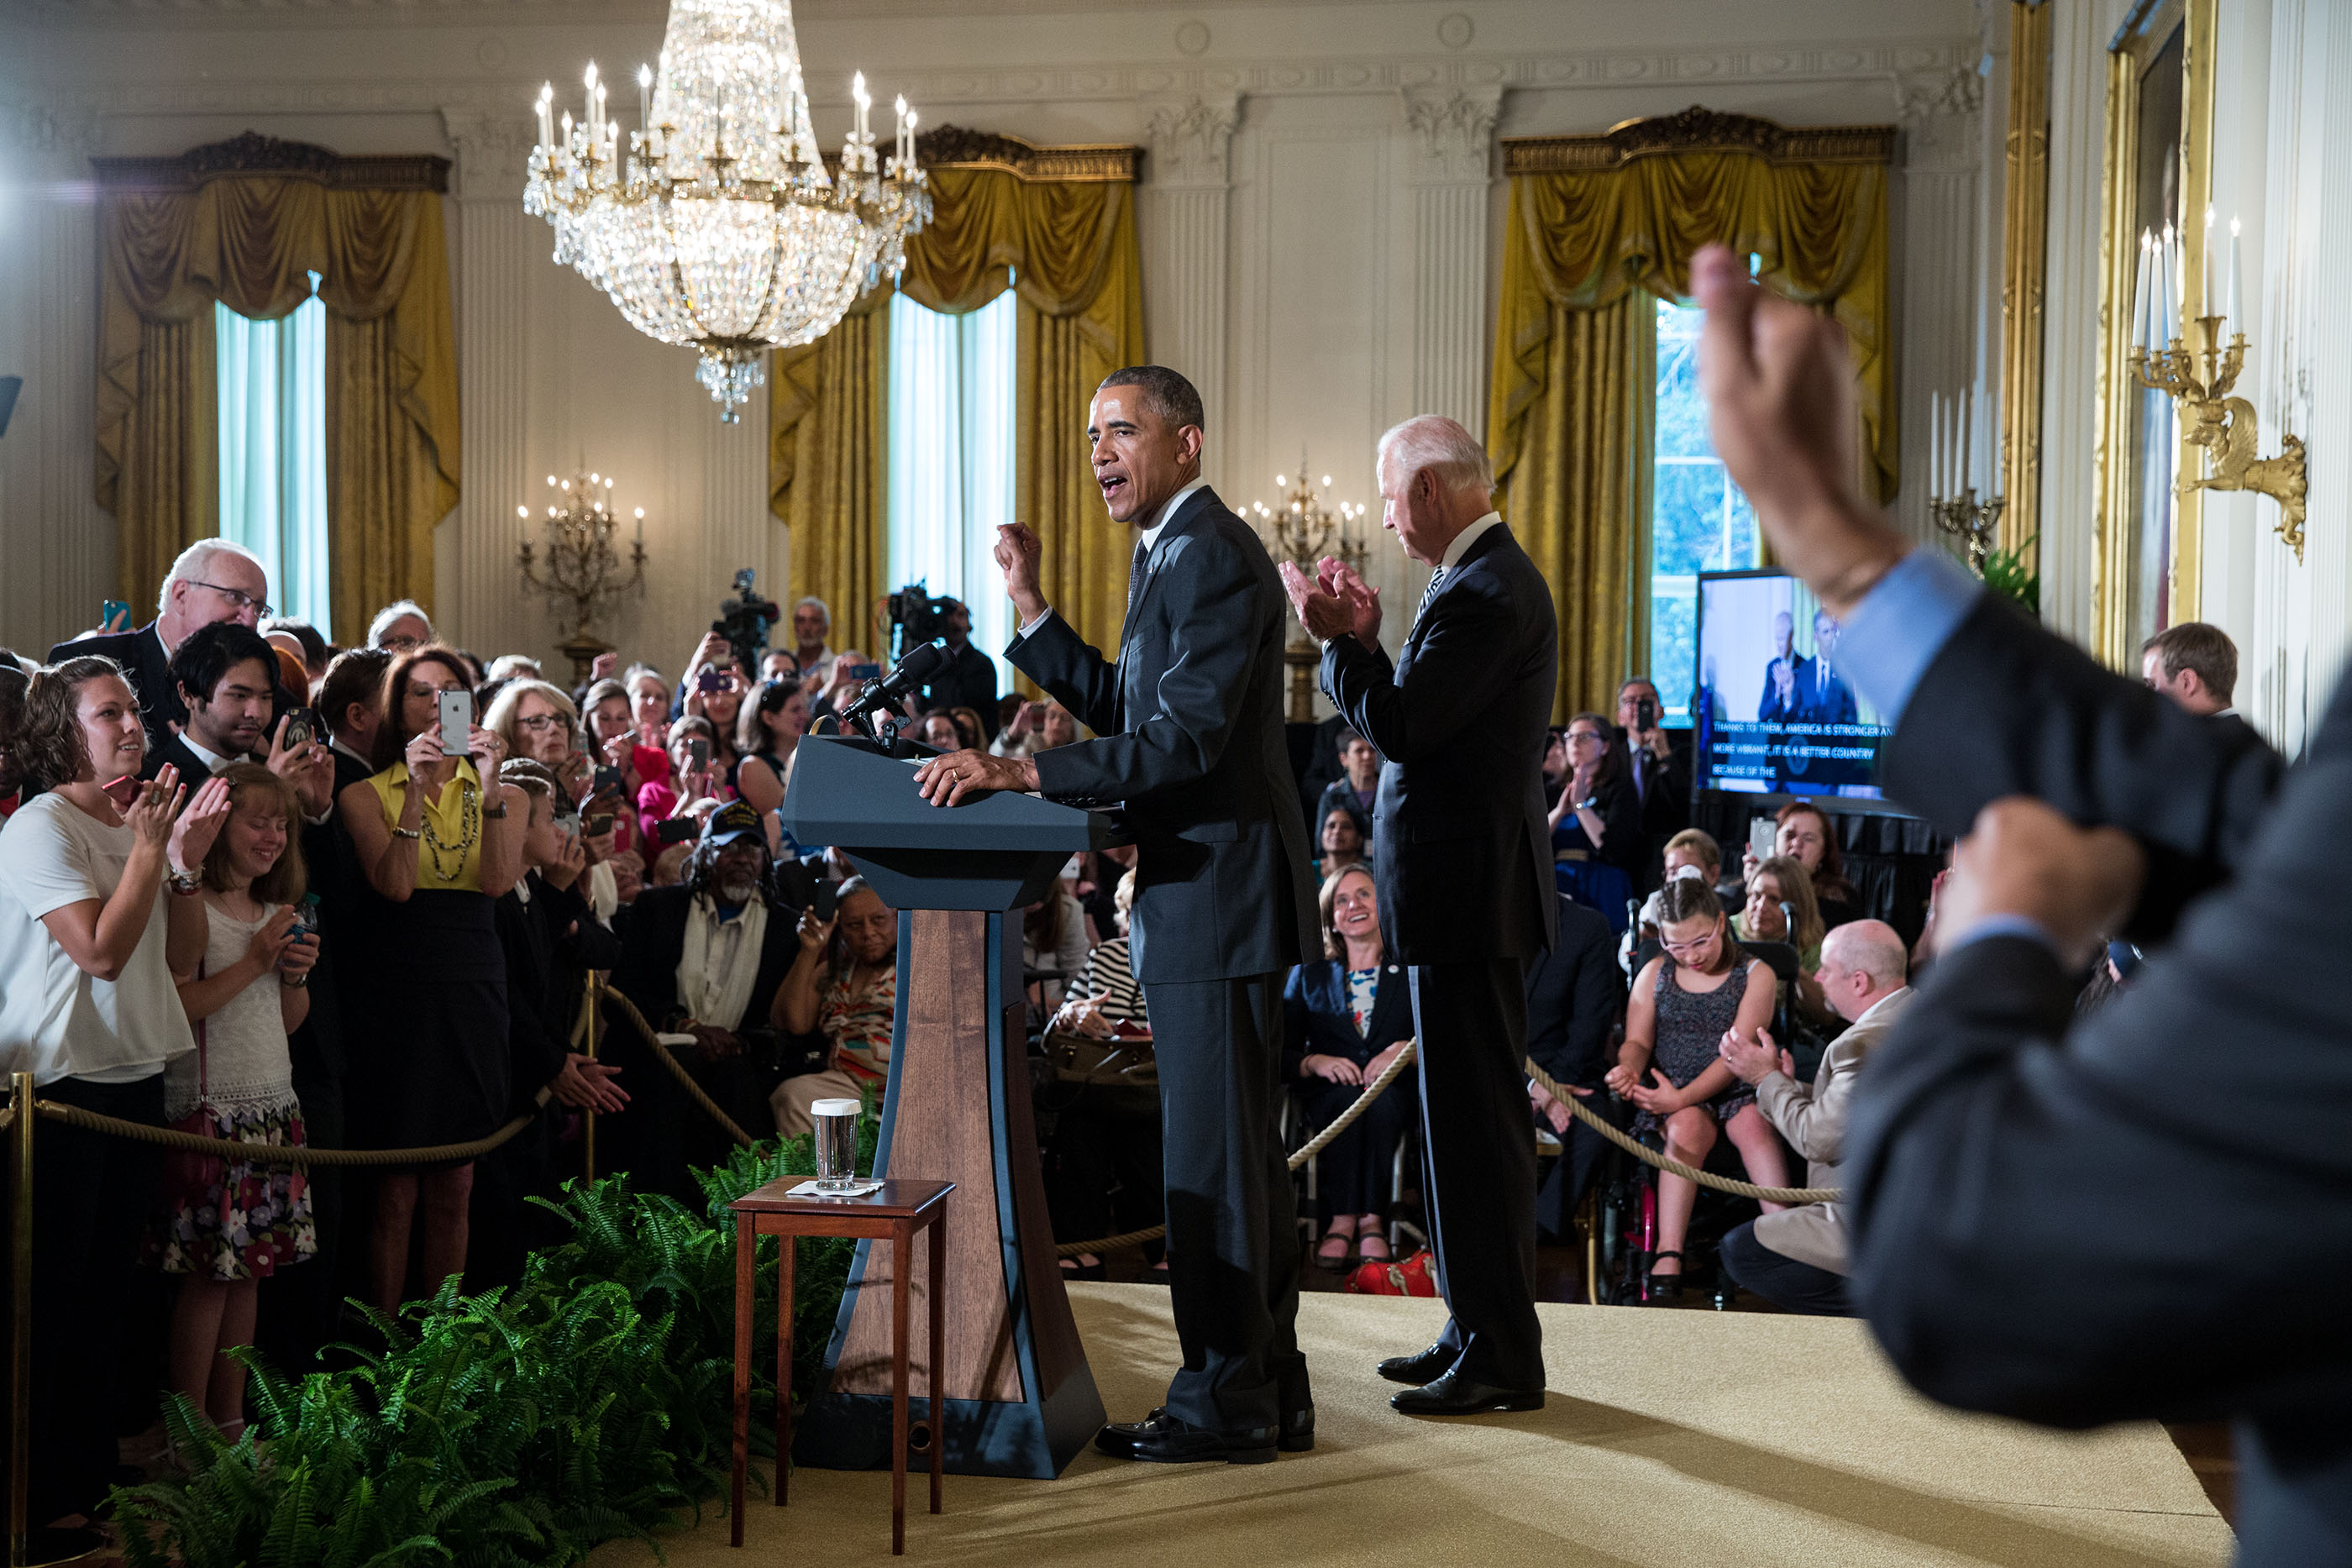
{"x": 837, "y": 1144}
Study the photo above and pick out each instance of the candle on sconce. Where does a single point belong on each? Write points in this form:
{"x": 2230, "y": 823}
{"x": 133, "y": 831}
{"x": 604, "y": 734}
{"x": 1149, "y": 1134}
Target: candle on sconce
{"x": 2237, "y": 304}
{"x": 1967, "y": 467}
{"x": 641, "y": 525}
{"x": 907, "y": 168}
{"x": 1936, "y": 446}
{"x": 546, "y": 120}
{"x": 2205, "y": 267}
{"x": 2141, "y": 337}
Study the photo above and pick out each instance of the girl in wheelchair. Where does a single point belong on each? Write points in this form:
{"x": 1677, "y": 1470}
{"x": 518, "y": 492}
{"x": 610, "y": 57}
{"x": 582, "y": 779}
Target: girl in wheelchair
{"x": 1700, "y": 986}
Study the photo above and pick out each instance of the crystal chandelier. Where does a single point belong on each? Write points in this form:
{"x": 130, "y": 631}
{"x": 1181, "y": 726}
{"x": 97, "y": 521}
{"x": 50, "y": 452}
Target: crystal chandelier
{"x": 725, "y": 232}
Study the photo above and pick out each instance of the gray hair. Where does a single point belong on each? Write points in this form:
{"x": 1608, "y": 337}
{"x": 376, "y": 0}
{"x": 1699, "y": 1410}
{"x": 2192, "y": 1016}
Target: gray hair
{"x": 508, "y": 666}
{"x": 1436, "y": 446}
{"x": 1871, "y": 946}
{"x": 194, "y": 560}
{"x": 822, "y": 608}
{"x": 393, "y": 611}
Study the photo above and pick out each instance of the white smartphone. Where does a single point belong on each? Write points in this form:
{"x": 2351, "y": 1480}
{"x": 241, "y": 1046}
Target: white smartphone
{"x": 1761, "y": 833}
{"x": 457, "y": 723}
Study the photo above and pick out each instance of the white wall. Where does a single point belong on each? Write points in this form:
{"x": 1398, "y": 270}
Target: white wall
{"x": 1321, "y": 221}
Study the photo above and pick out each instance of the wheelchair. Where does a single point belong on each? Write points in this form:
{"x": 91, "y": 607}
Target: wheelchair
{"x": 1622, "y": 1210}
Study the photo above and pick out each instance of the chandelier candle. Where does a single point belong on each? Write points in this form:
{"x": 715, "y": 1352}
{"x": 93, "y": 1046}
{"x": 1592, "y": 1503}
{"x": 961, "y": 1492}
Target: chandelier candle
{"x": 726, "y": 233}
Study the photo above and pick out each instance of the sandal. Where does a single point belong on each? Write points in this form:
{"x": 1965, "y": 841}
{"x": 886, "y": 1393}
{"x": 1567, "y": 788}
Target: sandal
{"x": 1335, "y": 1261}
{"x": 1665, "y": 1287}
{"x": 1073, "y": 1268}
{"x": 1369, "y": 1240}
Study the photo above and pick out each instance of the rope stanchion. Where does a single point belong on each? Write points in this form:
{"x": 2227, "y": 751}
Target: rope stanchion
{"x": 677, "y": 1068}
{"x": 1650, "y": 1156}
{"x": 1305, "y": 1152}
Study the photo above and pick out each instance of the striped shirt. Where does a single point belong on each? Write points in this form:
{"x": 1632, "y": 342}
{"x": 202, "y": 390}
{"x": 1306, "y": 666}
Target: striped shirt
{"x": 1106, "y": 975}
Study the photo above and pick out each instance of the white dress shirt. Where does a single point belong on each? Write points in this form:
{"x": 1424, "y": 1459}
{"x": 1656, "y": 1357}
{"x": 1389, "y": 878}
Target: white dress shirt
{"x": 1150, "y": 539}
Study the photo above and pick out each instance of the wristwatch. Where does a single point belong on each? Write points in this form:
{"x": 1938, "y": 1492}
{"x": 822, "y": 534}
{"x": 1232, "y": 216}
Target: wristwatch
{"x": 185, "y": 882}
{"x": 496, "y": 813}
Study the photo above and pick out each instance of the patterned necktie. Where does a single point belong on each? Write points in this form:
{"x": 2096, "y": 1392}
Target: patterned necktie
{"x": 1436, "y": 581}
{"x": 1135, "y": 575}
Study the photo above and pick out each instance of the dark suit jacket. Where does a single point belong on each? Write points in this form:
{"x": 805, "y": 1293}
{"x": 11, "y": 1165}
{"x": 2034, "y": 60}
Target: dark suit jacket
{"x": 1189, "y": 721}
{"x": 969, "y": 679}
{"x": 1340, "y": 796}
{"x": 1461, "y": 719}
{"x": 653, "y": 938}
{"x": 551, "y": 942}
{"x": 2142, "y": 1216}
{"x": 1822, "y": 696}
{"x": 1769, "y": 706}
{"x": 1574, "y": 995}
{"x": 1315, "y": 1022}
{"x": 148, "y": 669}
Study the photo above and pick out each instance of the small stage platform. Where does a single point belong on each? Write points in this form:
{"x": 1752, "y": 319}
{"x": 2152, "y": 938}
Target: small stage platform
{"x": 1669, "y": 1437}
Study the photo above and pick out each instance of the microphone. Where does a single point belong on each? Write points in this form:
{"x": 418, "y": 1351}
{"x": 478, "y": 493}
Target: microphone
{"x": 913, "y": 671}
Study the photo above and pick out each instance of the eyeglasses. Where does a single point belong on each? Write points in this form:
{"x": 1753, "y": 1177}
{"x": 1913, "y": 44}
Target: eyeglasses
{"x": 538, "y": 721}
{"x": 1576, "y": 735}
{"x": 260, "y": 607}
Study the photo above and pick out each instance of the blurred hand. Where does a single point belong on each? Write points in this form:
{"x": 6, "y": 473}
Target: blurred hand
{"x": 604, "y": 667}
{"x": 200, "y": 824}
{"x": 1659, "y": 1097}
{"x": 1780, "y": 394}
{"x": 567, "y": 866}
{"x": 1018, "y": 552}
{"x": 587, "y": 1084}
{"x": 2024, "y": 859}
{"x": 1331, "y": 1069}
{"x": 152, "y": 811}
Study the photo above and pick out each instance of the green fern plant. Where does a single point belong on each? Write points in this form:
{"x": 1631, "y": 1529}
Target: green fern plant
{"x": 2007, "y": 574}
{"x": 589, "y": 1402}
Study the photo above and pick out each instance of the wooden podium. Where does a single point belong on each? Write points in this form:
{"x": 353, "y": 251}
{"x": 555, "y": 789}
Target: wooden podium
{"x": 1020, "y": 1398}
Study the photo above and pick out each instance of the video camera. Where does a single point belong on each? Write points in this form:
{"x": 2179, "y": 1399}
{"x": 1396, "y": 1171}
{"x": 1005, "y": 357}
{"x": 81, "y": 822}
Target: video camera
{"x": 744, "y": 620}
{"x": 916, "y": 617}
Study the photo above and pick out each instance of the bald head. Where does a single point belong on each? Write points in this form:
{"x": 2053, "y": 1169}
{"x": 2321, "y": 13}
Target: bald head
{"x": 1861, "y": 962}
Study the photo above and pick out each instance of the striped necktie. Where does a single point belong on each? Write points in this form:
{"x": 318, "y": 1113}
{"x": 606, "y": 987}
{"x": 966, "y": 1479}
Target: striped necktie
{"x": 1135, "y": 575}
{"x": 1436, "y": 581}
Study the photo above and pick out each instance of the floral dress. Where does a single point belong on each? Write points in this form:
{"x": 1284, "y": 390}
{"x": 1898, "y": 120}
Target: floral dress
{"x": 234, "y": 1220}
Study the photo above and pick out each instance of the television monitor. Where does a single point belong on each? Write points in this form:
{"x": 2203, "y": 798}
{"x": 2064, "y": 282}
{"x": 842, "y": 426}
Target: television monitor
{"x": 1772, "y": 713}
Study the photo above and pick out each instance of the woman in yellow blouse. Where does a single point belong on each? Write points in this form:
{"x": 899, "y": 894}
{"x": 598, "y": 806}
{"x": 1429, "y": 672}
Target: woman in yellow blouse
{"x": 429, "y": 1064}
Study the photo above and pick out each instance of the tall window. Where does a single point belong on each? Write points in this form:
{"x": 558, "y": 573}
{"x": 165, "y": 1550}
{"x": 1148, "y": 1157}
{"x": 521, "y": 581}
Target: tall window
{"x": 273, "y": 449}
{"x": 1699, "y": 521}
{"x": 952, "y": 392}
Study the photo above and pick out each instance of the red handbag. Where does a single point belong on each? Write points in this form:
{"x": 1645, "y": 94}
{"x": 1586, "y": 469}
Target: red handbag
{"x": 1413, "y": 1275}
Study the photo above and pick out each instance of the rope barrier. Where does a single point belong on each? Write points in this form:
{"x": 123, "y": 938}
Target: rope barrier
{"x": 1305, "y": 1152}
{"x": 1650, "y": 1156}
{"x": 677, "y": 1068}
{"x": 285, "y": 1154}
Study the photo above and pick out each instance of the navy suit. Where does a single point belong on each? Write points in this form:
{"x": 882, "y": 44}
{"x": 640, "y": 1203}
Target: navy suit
{"x": 1464, "y": 863}
{"x": 1771, "y": 705}
{"x": 1189, "y": 718}
{"x": 1354, "y": 1167}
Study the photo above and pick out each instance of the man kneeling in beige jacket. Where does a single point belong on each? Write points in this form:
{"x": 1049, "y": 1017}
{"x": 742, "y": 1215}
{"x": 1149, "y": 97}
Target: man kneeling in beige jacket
{"x": 1797, "y": 1259}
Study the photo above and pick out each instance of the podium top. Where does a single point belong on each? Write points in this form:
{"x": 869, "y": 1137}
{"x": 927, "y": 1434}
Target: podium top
{"x": 845, "y": 792}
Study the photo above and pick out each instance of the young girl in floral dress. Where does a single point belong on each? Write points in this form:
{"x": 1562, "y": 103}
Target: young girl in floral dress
{"x": 241, "y": 965}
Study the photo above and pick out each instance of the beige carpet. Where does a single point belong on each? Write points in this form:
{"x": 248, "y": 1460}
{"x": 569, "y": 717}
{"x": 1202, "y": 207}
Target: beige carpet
{"x": 1737, "y": 1439}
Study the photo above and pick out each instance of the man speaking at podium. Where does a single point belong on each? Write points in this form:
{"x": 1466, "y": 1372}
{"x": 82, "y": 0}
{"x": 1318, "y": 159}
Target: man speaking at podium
{"x": 1189, "y": 718}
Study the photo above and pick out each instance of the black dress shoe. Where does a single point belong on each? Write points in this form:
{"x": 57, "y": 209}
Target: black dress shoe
{"x": 1417, "y": 1370}
{"x": 1161, "y": 1438}
{"x": 1455, "y": 1396}
{"x": 1298, "y": 1430}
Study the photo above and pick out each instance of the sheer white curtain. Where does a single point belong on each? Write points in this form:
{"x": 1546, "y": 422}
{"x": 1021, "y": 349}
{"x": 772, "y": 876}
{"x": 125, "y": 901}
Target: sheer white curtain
{"x": 952, "y": 392}
{"x": 273, "y": 450}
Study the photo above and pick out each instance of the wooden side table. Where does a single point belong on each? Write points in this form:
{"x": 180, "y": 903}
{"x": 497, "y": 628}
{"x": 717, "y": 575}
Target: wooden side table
{"x": 894, "y": 1214}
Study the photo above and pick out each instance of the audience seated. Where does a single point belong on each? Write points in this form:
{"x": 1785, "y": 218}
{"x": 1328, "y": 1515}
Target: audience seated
{"x": 1053, "y": 945}
{"x": 1575, "y": 997}
{"x": 1660, "y": 781}
{"x": 1340, "y": 840}
{"x": 844, "y": 987}
{"x": 1346, "y": 1017}
{"x": 1104, "y": 1172}
{"x": 1669, "y": 1066}
{"x": 1691, "y": 853}
{"x": 1037, "y": 727}
{"x": 706, "y": 958}
{"x": 767, "y": 730}
{"x": 1780, "y": 908}
{"x": 1803, "y": 832}
{"x": 1797, "y": 1258}
{"x": 1597, "y": 843}
{"x": 938, "y": 729}
{"x": 1354, "y": 791}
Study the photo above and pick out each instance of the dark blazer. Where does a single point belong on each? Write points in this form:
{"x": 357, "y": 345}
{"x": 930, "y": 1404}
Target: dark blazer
{"x": 969, "y": 679}
{"x": 1189, "y": 721}
{"x": 1575, "y": 993}
{"x": 1463, "y": 854}
{"x": 146, "y": 666}
{"x": 1623, "y": 843}
{"x": 1340, "y": 796}
{"x": 1769, "y": 706}
{"x": 1315, "y": 1022}
{"x": 551, "y": 942}
{"x": 653, "y": 938}
{"x": 1823, "y": 694}
{"x": 2138, "y": 1218}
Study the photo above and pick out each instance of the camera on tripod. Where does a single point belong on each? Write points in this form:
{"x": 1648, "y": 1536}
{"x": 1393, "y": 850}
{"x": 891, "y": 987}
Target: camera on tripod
{"x": 744, "y": 620}
{"x": 917, "y": 617}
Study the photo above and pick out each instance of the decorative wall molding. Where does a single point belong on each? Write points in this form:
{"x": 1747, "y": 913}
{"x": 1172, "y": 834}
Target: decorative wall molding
{"x": 1875, "y": 63}
{"x": 251, "y": 153}
{"x": 37, "y": 127}
{"x": 1191, "y": 140}
{"x": 1698, "y": 128}
{"x": 958, "y": 147}
{"x": 1938, "y": 112}
{"x": 1455, "y": 128}
{"x": 493, "y": 152}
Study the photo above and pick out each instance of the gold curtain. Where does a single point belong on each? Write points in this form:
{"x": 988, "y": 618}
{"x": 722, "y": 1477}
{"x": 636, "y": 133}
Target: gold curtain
{"x": 251, "y": 242}
{"x": 1586, "y": 250}
{"x": 828, "y": 455}
{"x": 1067, "y": 248}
